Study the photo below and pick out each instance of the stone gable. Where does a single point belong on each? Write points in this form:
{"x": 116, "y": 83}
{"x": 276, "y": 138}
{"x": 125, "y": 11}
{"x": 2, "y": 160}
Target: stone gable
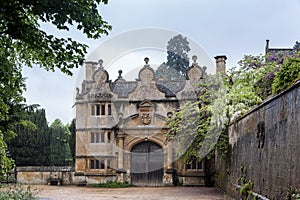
{"x": 119, "y": 123}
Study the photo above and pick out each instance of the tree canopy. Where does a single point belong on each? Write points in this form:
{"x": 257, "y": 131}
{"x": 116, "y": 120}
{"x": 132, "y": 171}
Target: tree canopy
{"x": 59, "y": 143}
{"x": 31, "y": 147}
{"x": 49, "y": 145}
{"x": 177, "y": 59}
{"x": 28, "y": 44}
{"x": 72, "y": 141}
{"x": 24, "y": 43}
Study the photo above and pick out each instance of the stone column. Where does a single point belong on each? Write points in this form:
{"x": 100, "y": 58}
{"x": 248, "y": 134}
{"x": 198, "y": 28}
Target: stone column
{"x": 121, "y": 171}
{"x": 221, "y": 64}
{"x": 170, "y": 157}
{"x": 168, "y": 177}
{"x": 121, "y": 152}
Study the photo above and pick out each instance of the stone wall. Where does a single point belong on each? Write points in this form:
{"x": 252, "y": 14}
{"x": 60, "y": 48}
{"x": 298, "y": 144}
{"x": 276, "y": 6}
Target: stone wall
{"x": 266, "y": 142}
{"x": 40, "y": 175}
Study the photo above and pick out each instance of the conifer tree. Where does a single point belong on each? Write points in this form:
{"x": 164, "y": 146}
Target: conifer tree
{"x": 31, "y": 146}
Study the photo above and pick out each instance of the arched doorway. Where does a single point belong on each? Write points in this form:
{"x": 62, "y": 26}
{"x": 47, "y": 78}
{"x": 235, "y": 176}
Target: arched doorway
{"x": 147, "y": 166}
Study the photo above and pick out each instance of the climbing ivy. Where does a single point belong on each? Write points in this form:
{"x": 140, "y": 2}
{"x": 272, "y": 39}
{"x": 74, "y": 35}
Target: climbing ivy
{"x": 199, "y": 127}
{"x": 246, "y": 189}
{"x": 288, "y": 74}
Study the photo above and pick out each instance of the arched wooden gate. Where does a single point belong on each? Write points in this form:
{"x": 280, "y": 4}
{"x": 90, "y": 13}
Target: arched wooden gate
{"x": 147, "y": 164}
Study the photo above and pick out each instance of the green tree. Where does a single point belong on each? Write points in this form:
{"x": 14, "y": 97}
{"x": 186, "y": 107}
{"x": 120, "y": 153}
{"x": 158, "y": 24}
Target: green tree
{"x": 11, "y": 109}
{"x": 288, "y": 74}
{"x": 177, "y": 59}
{"x": 59, "y": 143}
{"x": 31, "y": 146}
{"x": 195, "y": 127}
{"x": 23, "y": 38}
{"x": 166, "y": 72}
{"x": 23, "y": 42}
{"x": 72, "y": 141}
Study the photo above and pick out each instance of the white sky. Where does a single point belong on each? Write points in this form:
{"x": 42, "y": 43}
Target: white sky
{"x": 233, "y": 28}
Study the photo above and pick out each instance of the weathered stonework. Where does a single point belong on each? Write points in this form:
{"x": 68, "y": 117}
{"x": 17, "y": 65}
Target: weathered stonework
{"x": 42, "y": 175}
{"x": 121, "y": 126}
{"x": 266, "y": 142}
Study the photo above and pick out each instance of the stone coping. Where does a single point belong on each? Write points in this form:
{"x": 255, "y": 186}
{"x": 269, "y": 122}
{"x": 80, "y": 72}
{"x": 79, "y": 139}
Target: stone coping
{"x": 45, "y": 169}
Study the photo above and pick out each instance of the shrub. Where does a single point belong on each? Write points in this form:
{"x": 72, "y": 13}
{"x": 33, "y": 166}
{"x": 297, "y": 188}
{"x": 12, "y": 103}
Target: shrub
{"x": 288, "y": 74}
{"x": 19, "y": 193}
{"x": 112, "y": 184}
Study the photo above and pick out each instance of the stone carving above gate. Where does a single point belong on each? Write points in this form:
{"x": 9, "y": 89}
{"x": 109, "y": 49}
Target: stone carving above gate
{"x": 145, "y": 118}
{"x": 146, "y": 110}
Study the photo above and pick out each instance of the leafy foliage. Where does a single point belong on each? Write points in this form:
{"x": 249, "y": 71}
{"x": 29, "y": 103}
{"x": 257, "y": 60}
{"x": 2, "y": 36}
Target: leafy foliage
{"x": 6, "y": 164}
{"x": 293, "y": 194}
{"x": 21, "y": 33}
{"x": 59, "y": 145}
{"x": 196, "y": 124}
{"x": 112, "y": 184}
{"x": 288, "y": 74}
{"x": 72, "y": 141}
{"x": 246, "y": 189}
{"x": 49, "y": 145}
{"x": 23, "y": 42}
{"x": 11, "y": 107}
{"x": 167, "y": 72}
{"x": 12, "y": 110}
{"x": 201, "y": 125}
{"x": 32, "y": 141}
{"x": 19, "y": 193}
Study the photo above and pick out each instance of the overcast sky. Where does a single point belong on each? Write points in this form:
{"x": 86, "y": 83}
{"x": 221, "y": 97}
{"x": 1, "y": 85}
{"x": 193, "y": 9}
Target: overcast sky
{"x": 233, "y": 28}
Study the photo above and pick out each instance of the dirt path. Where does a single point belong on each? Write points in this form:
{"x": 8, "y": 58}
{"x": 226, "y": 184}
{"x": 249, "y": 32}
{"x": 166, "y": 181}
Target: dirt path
{"x": 135, "y": 193}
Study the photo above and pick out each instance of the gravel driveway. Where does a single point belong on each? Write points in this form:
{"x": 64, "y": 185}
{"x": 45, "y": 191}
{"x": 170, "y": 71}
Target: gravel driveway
{"x": 133, "y": 193}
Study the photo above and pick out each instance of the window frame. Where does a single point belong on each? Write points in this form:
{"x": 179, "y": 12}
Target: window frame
{"x": 99, "y": 164}
{"x": 194, "y": 165}
{"x": 97, "y": 137}
{"x": 108, "y": 136}
{"x": 109, "y": 109}
{"x": 99, "y": 109}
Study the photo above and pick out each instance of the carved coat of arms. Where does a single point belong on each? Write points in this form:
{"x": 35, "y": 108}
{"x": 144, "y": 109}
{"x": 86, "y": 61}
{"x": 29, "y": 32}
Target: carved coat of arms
{"x": 145, "y": 118}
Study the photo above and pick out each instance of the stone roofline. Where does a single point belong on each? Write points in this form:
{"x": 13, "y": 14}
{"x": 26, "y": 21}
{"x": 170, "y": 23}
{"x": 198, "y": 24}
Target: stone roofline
{"x": 268, "y": 49}
{"x": 97, "y": 80}
{"x": 219, "y": 59}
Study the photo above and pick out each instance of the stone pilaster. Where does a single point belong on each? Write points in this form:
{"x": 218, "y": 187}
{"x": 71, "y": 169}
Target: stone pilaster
{"x": 121, "y": 171}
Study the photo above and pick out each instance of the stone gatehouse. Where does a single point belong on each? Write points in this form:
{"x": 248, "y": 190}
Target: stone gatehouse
{"x": 121, "y": 127}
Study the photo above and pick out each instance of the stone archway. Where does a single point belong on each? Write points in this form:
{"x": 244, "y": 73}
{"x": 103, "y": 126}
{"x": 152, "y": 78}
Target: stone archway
{"x": 147, "y": 164}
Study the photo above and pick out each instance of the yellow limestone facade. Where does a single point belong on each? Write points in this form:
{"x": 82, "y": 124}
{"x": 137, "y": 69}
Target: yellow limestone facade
{"x": 121, "y": 127}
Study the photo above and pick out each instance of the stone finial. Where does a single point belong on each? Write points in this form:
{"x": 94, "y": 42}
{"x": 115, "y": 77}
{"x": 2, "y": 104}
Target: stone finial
{"x": 100, "y": 62}
{"x": 120, "y": 73}
{"x": 146, "y": 60}
{"x": 194, "y": 58}
{"x": 120, "y": 79}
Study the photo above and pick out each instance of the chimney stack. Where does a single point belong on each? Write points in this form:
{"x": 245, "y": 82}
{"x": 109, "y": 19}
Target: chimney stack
{"x": 221, "y": 64}
{"x": 267, "y": 47}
